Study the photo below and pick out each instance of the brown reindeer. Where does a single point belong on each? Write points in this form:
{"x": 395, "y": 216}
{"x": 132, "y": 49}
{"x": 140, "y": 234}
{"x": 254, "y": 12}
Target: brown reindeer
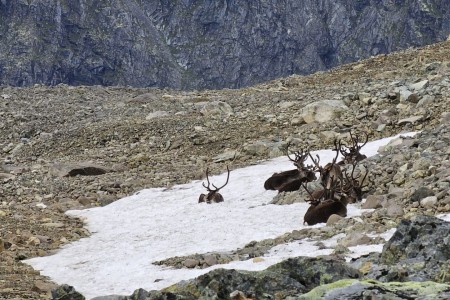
{"x": 330, "y": 170}
{"x": 323, "y": 204}
{"x": 353, "y": 153}
{"x": 353, "y": 186}
{"x": 213, "y": 196}
{"x": 292, "y": 180}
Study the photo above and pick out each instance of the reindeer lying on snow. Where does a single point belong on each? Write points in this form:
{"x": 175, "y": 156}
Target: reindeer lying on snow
{"x": 338, "y": 186}
{"x": 213, "y": 196}
{"x": 292, "y": 180}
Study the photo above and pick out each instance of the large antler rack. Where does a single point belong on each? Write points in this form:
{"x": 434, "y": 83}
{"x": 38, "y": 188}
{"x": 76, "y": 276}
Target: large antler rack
{"x": 353, "y": 152}
{"x": 216, "y": 188}
{"x": 213, "y": 194}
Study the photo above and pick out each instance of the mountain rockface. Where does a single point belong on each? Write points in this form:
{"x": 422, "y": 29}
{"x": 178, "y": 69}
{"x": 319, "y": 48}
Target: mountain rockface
{"x": 188, "y": 44}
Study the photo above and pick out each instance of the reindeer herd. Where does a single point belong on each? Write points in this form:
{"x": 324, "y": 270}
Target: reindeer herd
{"x": 341, "y": 182}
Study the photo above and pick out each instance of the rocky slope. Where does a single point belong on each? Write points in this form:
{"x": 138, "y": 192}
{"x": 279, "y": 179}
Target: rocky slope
{"x": 202, "y": 44}
{"x": 129, "y": 138}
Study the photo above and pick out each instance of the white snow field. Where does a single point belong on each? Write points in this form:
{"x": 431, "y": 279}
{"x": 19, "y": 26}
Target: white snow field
{"x": 155, "y": 224}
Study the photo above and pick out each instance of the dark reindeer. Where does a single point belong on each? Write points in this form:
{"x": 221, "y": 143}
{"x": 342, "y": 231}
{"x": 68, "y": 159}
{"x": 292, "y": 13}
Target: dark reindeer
{"x": 353, "y": 153}
{"x": 292, "y": 180}
{"x": 213, "y": 196}
{"x": 323, "y": 204}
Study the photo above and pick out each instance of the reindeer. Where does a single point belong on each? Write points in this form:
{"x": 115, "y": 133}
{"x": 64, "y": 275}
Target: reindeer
{"x": 323, "y": 204}
{"x": 330, "y": 170}
{"x": 353, "y": 154}
{"x": 213, "y": 196}
{"x": 292, "y": 180}
{"x": 353, "y": 187}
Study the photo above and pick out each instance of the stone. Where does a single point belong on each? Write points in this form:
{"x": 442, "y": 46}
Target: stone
{"x": 410, "y": 120}
{"x": 420, "y": 193}
{"x": 407, "y": 96}
{"x": 156, "y": 114}
{"x": 428, "y": 202}
{"x": 418, "y": 86}
{"x": 421, "y": 246}
{"x": 425, "y": 101}
{"x": 225, "y": 156}
{"x": 43, "y": 286}
{"x": 373, "y": 202}
{"x": 74, "y": 169}
{"x": 374, "y": 290}
{"x": 66, "y": 292}
{"x": 210, "y": 260}
{"x": 323, "y": 111}
{"x": 333, "y": 219}
{"x": 394, "y": 210}
{"x": 191, "y": 263}
{"x": 355, "y": 239}
{"x": 217, "y": 109}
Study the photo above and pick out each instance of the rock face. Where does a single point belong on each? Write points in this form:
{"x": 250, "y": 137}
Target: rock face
{"x": 202, "y": 44}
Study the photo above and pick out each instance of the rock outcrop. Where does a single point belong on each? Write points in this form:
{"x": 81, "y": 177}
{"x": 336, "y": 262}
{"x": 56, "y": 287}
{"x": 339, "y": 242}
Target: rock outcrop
{"x": 202, "y": 44}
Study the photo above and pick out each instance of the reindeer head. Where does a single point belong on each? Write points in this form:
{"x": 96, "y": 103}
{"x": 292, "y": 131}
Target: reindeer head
{"x": 352, "y": 153}
{"x": 353, "y": 187}
{"x": 330, "y": 170}
{"x": 306, "y": 173}
{"x": 213, "y": 195}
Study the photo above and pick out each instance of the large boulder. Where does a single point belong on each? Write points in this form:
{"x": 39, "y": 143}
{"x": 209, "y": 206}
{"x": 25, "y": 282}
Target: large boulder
{"x": 323, "y": 111}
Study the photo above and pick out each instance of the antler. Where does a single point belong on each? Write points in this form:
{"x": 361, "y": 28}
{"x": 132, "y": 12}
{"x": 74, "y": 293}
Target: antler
{"x": 353, "y": 183}
{"x": 300, "y": 157}
{"x": 216, "y": 188}
{"x": 353, "y": 152}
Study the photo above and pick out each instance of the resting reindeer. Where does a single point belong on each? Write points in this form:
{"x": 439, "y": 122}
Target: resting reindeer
{"x": 353, "y": 186}
{"x": 353, "y": 154}
{"x": 323, "y": 204}
{"x": 213, "y": 196}
{"x": 330, "y": 170}
{"x": 292, "y": 180}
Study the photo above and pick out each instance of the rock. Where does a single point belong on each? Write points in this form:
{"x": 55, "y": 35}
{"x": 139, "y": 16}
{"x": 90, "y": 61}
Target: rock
{"x": 428, "y": 202}
{"x": 420, "y": 193}
{"x": 191, "y": 263}
{"x": 355, "y": 239}
{"x": 410, "y": 120}
{"x": 445, "y": 118}
{"x": 217, "y": 109}
{"x": 322, "y": 111}
{"x": 394, "y": 210}
{"x": 238, "y": 295}
{"x": 421, "y": 246}
{"x": 425, "y": 101}
{"x": 291, "y": 277}
{"x": 66, "y": 292}
{"x": 418, "y": 86}
{"x": 354, "y": 289}
{"x": 333, "y": 219}
{"x": 256, "y": 149}
{"x": 84, "y": 169}
{"x": 210, "y": 260}
{"x": 407, "y": 96}
{"x": 228, "y": 155}
{"x": 156, "y": 114}
{"x": 43, "y": 286}
{"x": 373, "y": 201}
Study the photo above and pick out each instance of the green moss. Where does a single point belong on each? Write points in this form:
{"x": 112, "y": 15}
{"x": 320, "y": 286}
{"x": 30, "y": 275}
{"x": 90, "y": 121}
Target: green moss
{"x": 427, "y": 288}
{"x": 319, "y": 291}
{"x": 190, "y": 289}
{"x": 423, "y": 288}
